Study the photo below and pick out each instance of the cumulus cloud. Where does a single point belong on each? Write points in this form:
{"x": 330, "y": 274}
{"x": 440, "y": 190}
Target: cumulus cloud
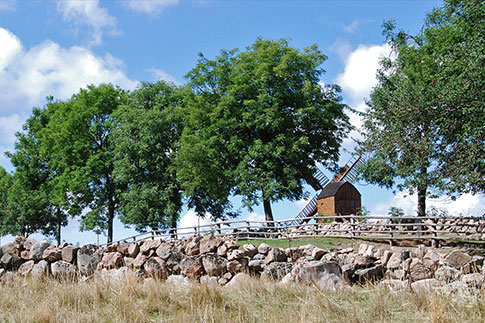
{"x": 87, "y": 13}
{"x": 190, "y": 221}
{"x": 465, "y": 205}
{"x": 7, "y": 4}
{"x": 27, "y": 76}
{"x": 151, "y": 7}
{"x": 359, "y": 76}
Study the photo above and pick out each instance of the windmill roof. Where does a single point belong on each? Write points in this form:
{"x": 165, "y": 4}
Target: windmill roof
{"x": 331, "y": 189}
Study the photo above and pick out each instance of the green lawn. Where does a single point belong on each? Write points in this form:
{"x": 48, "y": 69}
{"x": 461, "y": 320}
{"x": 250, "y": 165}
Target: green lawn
{"x": 325, "y": 243}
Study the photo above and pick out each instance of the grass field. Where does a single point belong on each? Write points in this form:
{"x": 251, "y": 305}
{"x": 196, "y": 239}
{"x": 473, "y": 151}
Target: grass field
{"x": 25, "y": 300}
{"x": 325, "y": 243}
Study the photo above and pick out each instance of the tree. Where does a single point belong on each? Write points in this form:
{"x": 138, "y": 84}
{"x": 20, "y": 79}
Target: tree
{"x": 257, "y": 123}
{"x": 422, "y": 130}
{"x": 145, "y": 141}
{"x": 32, "y": 205}
{"x": 5, "y": 184}
{"x": 81, "y": 149}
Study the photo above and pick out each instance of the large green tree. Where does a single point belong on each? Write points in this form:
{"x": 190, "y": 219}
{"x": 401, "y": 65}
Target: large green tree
{"x": 80, "y": 148}
{"x": 145, "y": 144}
{"x": 5, "y": 184}
{"x": 257, "y": 123}
{"x": 424, "y": 129}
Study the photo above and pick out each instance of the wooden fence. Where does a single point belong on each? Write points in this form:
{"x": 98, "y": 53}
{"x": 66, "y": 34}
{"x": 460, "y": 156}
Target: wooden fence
{"x": 352, "y": 227}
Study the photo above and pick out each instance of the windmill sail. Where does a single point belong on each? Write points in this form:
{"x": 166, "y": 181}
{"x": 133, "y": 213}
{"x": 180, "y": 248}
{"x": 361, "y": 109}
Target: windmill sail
{"x": 348, "y": 173}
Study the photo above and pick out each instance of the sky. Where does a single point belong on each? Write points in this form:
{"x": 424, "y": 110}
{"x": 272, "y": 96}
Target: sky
{"x": 56, "y": 47}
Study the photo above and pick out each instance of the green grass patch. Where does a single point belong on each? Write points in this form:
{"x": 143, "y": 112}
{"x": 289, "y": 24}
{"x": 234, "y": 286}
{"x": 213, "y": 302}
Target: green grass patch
{"x": 324, "y": 243}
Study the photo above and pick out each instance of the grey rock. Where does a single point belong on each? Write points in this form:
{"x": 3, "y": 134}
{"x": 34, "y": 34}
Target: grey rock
{"x": 178, "y": 280}
{"x": 259, "y": 256}
{"x": 192, "y": 267}
{"x": 455, "y": 287}
{"x": 473, "y": 266}
{"x": 235, "y": 254}
{"x": 394, "y": 284}
{"x": 165, "y": 250}
{"x": 173, "y": 262}
{"x": 209, "y": 243}
{"x": 52, "y": 254}
{"x": 394, "y": 261}
{"x": 7, "y": 248}
{"x": 214, "y": 265}
{"x": 237, "y": 265}
{"x": 275, "y": 255}
{"x": 256, "y": 265}
{"x": 425, "y": 285}
{"x": 62, "y": 269}
{"x": 475, "y": 280}
{"x": 447, "y": 274}
{"x": 209, "y": 280}
{"x": 318, "y": 253}
{"x": 264, "y": 248}
{"x": 87, "y": 259}
{"x": 418, "y": 270}
{"x": 155, "y": 267}
{"x": 239, "y": 280}
{"x": 326, "y": 275}
{"x": 133, "y": 249}
{"x": 277, "y": 270}
{"x": 40, "y": 269}
{"x": 250, "y": 250}
{"x": 26, "y": 268}
{"x": 37, "y": 250}
{"x": 348, "y": 272}
{"x": 370, "y": 274}
{"x": 457, "y": 259}
{"x": 69, "y": 254}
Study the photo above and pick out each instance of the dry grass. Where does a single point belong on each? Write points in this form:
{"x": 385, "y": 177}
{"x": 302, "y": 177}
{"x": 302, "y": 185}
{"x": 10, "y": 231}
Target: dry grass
{"x": 26, "y": 300}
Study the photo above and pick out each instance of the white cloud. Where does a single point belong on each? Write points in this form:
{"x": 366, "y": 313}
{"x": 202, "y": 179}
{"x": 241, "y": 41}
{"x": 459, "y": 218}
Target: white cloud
{"x": 9, "y": 125}
{"x": 28, "y": 76}
{"x": 190, "y": 221}
{"x": 7, "y": 4}
{"x": 359, "y": 76}
{"x": 466, "y": 205}
{"x": 252, "y": 217}
{"x": 164, "y": 76}
{"x": 151, "y": 7}
{"x": 87, "y": 13}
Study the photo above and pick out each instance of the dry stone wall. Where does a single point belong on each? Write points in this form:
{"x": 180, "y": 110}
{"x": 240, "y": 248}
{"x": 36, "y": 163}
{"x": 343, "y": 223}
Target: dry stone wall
{"x": 212, "y": 260}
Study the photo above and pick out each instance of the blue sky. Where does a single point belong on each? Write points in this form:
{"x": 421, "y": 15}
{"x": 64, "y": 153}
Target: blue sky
{"x": 56, "y": 47}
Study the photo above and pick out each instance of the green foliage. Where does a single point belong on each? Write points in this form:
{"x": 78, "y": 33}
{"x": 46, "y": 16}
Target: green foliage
{"x": 81, "y": 151}
{"x": 425, "y": 126}
{"x": 395, "y": 211}
{"x": 145, "y": 144}
{"x": 257, "y": 123}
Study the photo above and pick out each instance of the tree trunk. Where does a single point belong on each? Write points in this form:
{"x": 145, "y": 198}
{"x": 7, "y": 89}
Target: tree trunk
{"x": 422, "y": 190}
{"x": 174, "y": 226}
{"x": 58, "y": 226}
{"x": 268, "y": 213}
{"x": 111, "y": 216}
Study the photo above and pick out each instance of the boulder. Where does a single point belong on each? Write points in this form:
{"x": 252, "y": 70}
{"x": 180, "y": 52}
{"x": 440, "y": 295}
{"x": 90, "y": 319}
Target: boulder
{"x": 37, "y": 250}
{"x": 235, "y": 254}
{"x": 25, "y": 255}
{"x": 275, "y": 255}
{"x": 209, "y": 243}
{"x": 63, "y": 269}
{"x": 178, "y": 280}
{"x": 394, "y": 285}
{"x": 173, "y": 262}
{"x": 475, "y": 280}
{"x": 192, "y": 267}
{"x": 28, "y": 243}
{"x": 26, "y": 268}
{"x": 369, "y": 274}
{"x": 473, "y": 266}
{"x": 52, "y": 254}
{"x": 348, "y": 271}
{"x": 418, "y": 270}
{"x": 192, "y": 248}
{"x": 139, "y": 261}
{"x": 18, "y": 243}
{"x": 40, "y": 269}
{"x": 149, "y": 245}
{"x": 240, "y": 279}
{"x": 69, "y": 253}
{"x": 165, "y": 250}
{"x": 362, "y": 261}
{"x": 326, "y": 275}
{"x": 155, "y": 267}
{"x": 209, "y": 280}
{"x": 425, "y": 285}
{"x": 133, "y": 250}
{"x": 214, "y": 265}
{"x": 394, "y": 261}
{"x": 10, "y": 261}
{"x": 237, "y": 265}
{"x": 264, "y": 248}
{"x": 112, "y": 260}
{"x": 317, "y": 253}
{"x": 7, "y": 248}
{"x": 250, "y": 250}
{"x": 87, "y": 259}
{"x": 373, "y": 252}
{"x": 306, "y": 250}
{"x": 447, "y": 274}
{"x": 123, "y": 248}
{"x": 277, "y": 270}
{"x": 457, "y": 259}
{"x": 256, "y": 265}
{"x": 431, "y": 258}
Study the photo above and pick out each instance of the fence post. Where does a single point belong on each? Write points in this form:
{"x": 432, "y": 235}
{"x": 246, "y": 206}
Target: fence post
{"x": 352, "y": 224}
{"x": 248, "y": 228}
{"x": 219, "y": 230}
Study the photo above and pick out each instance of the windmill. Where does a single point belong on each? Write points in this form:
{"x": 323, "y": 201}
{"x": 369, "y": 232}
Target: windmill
{"x": 348, "y": 173}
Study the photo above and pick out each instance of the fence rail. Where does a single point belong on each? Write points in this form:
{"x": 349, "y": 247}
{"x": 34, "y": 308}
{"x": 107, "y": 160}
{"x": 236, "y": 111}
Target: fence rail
{"x": 351, "y": 226}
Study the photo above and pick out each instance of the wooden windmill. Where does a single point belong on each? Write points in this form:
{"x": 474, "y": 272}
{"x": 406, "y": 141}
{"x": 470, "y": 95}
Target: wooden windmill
{"x": 336, "y": 196}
